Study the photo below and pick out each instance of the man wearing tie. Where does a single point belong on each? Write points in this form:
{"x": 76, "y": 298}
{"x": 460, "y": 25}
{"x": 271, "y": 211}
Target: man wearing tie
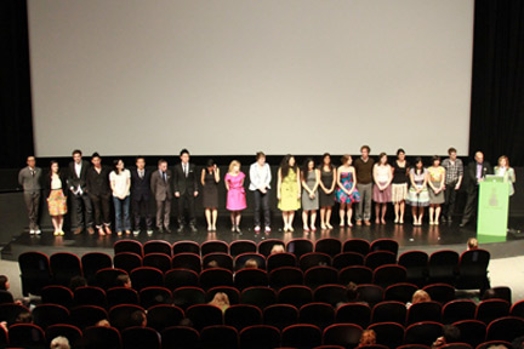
{"x": 30, "y": 178}
{"x": 161, "y": 189}
{"x": 186, "y": 190}
{"x": 475, "y": 173}
{"x": 140, "y": 195}
{"x": 77, "y": 186}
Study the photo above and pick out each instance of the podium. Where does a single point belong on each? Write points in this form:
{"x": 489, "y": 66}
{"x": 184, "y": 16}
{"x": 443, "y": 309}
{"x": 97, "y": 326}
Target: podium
{"x": 493, "y": 206}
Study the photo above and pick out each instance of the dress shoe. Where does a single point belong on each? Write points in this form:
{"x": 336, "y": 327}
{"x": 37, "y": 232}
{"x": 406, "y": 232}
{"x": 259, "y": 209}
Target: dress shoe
{"x": 90, "y": 230}
{"x": 180, "y": 229}
{"x": 78, "y": 230}
{"x": 193, "y": 228}
{"x": 463, "y": 224}
{"x": 167, "y": 230}
{"x": 160, "y": 230}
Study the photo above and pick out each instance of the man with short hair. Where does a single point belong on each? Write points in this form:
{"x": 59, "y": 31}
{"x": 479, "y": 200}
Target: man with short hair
{"x": 30, "y": 178}
{"x": 99, "y": 190}
{"x": 454, "y": 174}
{"x": 161, "y": 189}
{"x": 81, "y": 201}
{"x": 475, "y": 173}
{"x": 364, "y": 173}
{"x": 141, "y": 195}
{"x": 186, "y": 190}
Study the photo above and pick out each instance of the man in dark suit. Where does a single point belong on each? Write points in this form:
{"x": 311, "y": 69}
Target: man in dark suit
{"x": 186, "y": 190}
{"x": 76, "y": 183}
{"x": 140, "y": 195}
{"x": 475, "y": 173}
{"x": 161, "y": 189}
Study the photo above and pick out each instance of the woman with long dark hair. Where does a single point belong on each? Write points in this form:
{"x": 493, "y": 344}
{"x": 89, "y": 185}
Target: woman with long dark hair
{"x": 120, "y": 180}
{"x": 288, "y": 190}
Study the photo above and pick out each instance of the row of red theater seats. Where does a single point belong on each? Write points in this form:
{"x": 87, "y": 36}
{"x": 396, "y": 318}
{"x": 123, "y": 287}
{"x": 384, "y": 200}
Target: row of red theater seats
{"x": 389, "y": 336}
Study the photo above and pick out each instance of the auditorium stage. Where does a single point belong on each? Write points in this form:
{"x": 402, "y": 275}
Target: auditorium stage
{"x": 426, "y": 238}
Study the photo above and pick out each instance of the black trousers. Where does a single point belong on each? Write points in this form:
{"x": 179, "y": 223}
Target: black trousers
{"x": 186, "y": 208}
{"x": 470, "y": 210}
{"x": 262, "y": 202}
{"x": 450, "y": 196}
{"x": 102, "y": 208}
{"x": 141, "y": 209}
{"x": 82, "y": 206}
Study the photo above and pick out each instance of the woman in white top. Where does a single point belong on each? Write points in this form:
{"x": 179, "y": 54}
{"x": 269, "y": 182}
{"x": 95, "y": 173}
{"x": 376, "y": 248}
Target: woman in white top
{"x": 382, "y": 175}
{"x": 56, "y": 200}
{"x": 120, "y": 179}
{"x": 260, "y": 184}
{"x": 504, "y": 170}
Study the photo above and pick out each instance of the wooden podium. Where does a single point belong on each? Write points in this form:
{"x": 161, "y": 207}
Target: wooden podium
{"x": 493, "y": 206}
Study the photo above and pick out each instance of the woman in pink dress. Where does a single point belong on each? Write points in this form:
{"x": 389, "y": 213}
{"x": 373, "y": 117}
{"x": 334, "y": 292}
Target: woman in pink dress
{"x": 236, "y": 195}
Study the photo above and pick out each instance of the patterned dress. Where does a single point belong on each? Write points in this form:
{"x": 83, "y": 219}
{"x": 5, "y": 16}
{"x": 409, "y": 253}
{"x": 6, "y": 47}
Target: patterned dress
{"x": 346, "y": 178}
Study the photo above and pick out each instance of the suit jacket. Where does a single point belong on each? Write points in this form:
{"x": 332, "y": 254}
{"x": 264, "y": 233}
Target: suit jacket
{"x": 471, "y": 173}
{"x": 98, "y": 183}
{"x": 141, "y": 187}
{"x": 161, "y": 189}
{"x": 185, "y": 184}
{"x": 74, "y": 181}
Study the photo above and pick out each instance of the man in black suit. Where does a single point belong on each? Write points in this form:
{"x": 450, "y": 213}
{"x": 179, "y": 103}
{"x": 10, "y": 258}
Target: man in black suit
{"x": 186, "y": 190}
{"x": 141, "y": 195}
{"x": 475, "y": 173}
{"x": 76, "y": 183}
{"x": 161, "y": 189}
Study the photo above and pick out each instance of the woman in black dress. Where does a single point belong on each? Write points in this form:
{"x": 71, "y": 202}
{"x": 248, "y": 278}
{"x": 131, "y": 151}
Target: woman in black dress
{"x": 209, "y": 178}
{"x": 328, "y": 176}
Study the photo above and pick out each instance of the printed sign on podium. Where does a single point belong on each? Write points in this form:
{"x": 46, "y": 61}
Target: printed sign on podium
{"x": 493, "y": 205}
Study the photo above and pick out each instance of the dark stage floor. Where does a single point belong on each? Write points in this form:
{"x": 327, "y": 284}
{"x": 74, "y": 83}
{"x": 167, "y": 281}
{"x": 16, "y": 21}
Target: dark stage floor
{"x": 427, "y": 238}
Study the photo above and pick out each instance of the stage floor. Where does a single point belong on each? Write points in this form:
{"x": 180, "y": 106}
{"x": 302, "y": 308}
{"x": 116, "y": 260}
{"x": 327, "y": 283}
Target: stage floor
{"x": 427, "y": 238}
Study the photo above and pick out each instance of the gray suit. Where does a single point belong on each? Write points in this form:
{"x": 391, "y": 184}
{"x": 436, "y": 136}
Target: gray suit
{"x": 161, "y": 189}
{"x": 31, "y": 181}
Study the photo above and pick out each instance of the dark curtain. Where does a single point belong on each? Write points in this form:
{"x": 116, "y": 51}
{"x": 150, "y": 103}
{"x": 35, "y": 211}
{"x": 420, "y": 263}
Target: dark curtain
{"x": 16, "y": 128}
{"x": 497, "y": 95}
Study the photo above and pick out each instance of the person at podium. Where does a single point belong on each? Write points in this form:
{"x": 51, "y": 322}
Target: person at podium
{"x": 504, "y": 170}
{"x": 475, "y": 173}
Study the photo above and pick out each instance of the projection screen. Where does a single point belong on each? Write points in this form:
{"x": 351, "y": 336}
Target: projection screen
{"x": 231, "y": 77}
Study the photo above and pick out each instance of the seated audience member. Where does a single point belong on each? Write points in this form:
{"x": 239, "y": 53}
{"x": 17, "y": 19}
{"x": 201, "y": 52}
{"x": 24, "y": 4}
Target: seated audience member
{"x": 138, "y": 318}
{"x": 24, "y": 317}
{"x": 518, "y": 343}
{"x": 473, "y": 244}
{"x": 352, "y": 295}
{"x": 4, "y": 283}
{"x": 251, "y": 263}
{"x": 123, "y": 281}
{"x": 103, "y": 323}
{"x": 220, "y": 300}
{"x": 278, "y": 248}
{"x": 186, "y": 322}
{"x": 60, "y": 343}
{"x": 212, "y": 264}
{"x": 500, "y": 346}
{"x": 368, "y": 337}
{"x": 418, "y": 297}
{"x": 450, "y": 334}
{"x": 489, "y": 294}
{"x": 77, "y": 281}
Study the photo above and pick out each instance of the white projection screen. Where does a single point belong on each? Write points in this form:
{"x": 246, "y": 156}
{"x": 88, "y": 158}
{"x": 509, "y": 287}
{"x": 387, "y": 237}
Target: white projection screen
{"x": 231, "y": 77}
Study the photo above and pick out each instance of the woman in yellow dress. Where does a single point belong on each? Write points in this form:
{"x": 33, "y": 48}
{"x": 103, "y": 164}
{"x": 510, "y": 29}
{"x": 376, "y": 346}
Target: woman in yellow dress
{"x": 288, "y": 190}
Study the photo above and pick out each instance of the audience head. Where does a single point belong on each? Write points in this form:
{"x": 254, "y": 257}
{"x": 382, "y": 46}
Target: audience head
{"x": 420, "y": 296}
{"x": 140, "y": 162}
{"x": 435, "y": 160}
{"x": 368, "y": 337}
{"x": 473, "y": 244}
{"x": 518, "y": 343}
{"x": 234, "y": 166}
{"x": 60, "y": 342}
{"x": 503, "y": 161}
{"x": 500, "y": 346}
{"x": 184, "y": 155}
{"x": 261, "y": 158}
{"x": 24, "y": 317}
{"x": 352, "y": 292}
{"x": 251, "y": 263}
{"x": 4, "y": 283}
{"x": 162, "y": 165}
{"x": 401, "y": 154}
{"x": 364, "y": 151}
{"x": 450, "y": 334}
{"x": 96, "y": 160}
{"x": 77, "y": 281}
{"x": 479, "y": 157}
{"x": 77, "y": 155}
{"x": 138, "y": 318}
{"x": 186, "y": 322}
{"x": 490, "y": 293}
{"x": 278, "y": 248}
{"x": 220, "y": 300}
{"x": 103, "y": 323}
{"x": 123, "y": 281}
{"x": 212, "y": 264}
